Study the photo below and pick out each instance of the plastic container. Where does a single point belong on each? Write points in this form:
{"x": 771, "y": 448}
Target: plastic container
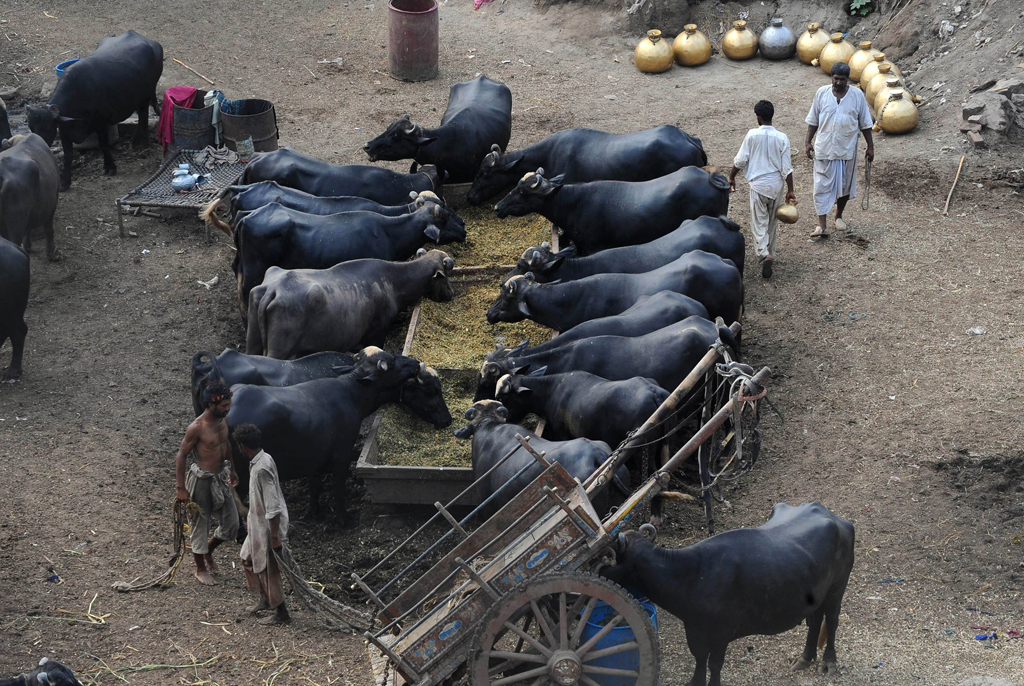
{"x": 193, "y": 126}
{"x": 257, "y": 121}
{"x": 62, "y": 67}
{"x": 621, "y": 634}
{"x": 412, "y": 39}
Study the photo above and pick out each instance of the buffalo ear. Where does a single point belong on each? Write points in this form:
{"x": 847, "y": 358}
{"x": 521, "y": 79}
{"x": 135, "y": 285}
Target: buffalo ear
{"x": 507, "y": 163}
{"x": 423, "y": 140}
{"x": 523, "y": 390}
{"x": 470, "y": 413}
{"x": 341, "y": 369}
{"x": 557, "y": 180}
{"x": 524, "y": 308}
{"x": 433, "y": 233}
{"x": 54, "y": 110}
{"x": 382, "y": 365}
{"x": 502, "y": 411}
{"x": 539, "y": 371}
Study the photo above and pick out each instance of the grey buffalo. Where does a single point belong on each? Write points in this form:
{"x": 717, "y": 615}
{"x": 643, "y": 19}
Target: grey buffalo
{"x": 29, "y": 182}
{"x": 301, "y": 311}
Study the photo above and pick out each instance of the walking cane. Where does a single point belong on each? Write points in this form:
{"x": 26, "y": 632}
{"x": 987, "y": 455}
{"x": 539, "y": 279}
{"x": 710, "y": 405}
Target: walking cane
{"x": 867, "y": 185}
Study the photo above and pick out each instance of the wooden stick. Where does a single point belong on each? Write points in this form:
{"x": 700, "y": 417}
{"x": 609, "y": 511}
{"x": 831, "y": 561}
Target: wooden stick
{"x": 945, "y": 210}
{"x": 193, "y": 71}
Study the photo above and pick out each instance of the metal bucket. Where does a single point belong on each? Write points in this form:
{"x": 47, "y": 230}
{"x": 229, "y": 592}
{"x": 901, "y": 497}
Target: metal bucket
{"x": 193, "y": 126}
{"x": 257, "y": 121}
{"x": 412, "y": 39}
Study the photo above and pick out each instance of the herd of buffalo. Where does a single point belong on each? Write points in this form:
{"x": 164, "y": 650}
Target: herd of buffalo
{"x": 327, "y": 257}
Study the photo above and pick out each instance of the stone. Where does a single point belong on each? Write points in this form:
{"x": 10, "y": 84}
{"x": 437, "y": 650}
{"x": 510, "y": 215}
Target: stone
{"x": 978, "y": 119}
{"x": 1008, "y": 87}
{"x": 966, "y": 126}
{"x": 976, "y": 139}
{"x": 986, "y": 681}
{"x": 996, "y": 108}
{"x": 1018, "y": 100}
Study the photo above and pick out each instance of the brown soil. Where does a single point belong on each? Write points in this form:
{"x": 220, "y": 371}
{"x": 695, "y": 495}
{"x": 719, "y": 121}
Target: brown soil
{"x": 899, "y": 421}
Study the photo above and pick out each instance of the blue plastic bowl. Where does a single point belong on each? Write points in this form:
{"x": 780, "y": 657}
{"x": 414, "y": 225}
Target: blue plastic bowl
{"x": 62, "y": 67}
{"x": 617, "y": 636}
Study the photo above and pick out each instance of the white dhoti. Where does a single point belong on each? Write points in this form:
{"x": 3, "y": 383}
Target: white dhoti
{"x": 763, "y": 221}
{"x": 833, "y": 179}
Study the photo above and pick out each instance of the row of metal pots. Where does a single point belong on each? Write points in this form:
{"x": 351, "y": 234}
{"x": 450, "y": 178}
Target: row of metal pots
{"x": 880, "y": 80}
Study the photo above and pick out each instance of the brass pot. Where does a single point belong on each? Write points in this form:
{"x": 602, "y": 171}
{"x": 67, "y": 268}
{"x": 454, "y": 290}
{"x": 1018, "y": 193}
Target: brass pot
{"x": 738, "y": 43}
{"x": 787, "y": 213}
{"x": 861, "y": 58}
{"x": 877, "y": 83}
{"x": 897, "y": 114}
{"x": 653, "y": 54}
{"x": 870, "y": 70}
{"x": 691, "y": 47}
{"x": 837, "y": 50}
{"x": 811, "y": 43}
{"x": 891, "y": 84}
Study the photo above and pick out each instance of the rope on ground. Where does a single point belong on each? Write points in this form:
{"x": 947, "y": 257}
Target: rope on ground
{"x": 182, "y": 511}
{"x": 332, "y": 613}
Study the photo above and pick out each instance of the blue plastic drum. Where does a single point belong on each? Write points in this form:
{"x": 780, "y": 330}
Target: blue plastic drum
{"x": 621, "y": 634}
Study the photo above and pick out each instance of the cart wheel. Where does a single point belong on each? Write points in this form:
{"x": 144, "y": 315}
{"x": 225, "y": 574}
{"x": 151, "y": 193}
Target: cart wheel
{"x": 535, "y": 635}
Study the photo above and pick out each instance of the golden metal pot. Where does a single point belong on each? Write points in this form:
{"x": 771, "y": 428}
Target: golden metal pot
{"x": 837, "y": 50}
{"x": 738, "y": 43}
{"x": 653, "y": 54}
{"x": 861, "y": 58}
{"x": 897, "y": 114}
{"x": 811, "y": 43}
{"x": 891, "y": 83}
{"x": 871, "y": 70}
{"x": 787, "y": 213}
{"x": 691, "y": 47}
{"x": 876, "y": 83}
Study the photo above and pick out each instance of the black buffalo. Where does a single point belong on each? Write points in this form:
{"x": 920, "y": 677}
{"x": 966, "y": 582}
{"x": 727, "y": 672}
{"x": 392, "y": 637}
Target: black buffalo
{"x": 581, "y": 405}
{"x": 707, "y": 278}
{"x": 29, "y": 182}
{"x": 14, "y": 283}
{"x": 48, "y": 673}
{"x": 582, "y": 155}
{"x": 316, "y": 177}
{"x": 232, "y": 367}
{"x": 747, "y": 582}
{"x": 310, "y": 428}
{"x": 479, "y": 116}
{"x": 666, "y": 355}
{"x": 5, "y": 123}
{"x": 717, "y": 235}
{"x": 275, "y": 236}
{"x": 236, "y": 200}
{"x": 493, "y": 438}
{"x": 301, "y": 311}
{"x": 98, "y": 91}
{"x": 598, "y": 215}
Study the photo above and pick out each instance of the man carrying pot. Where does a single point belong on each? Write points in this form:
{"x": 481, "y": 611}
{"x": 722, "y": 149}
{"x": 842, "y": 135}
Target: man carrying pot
{"x": 767, "y": 166}
{"x": 837, "y": 115}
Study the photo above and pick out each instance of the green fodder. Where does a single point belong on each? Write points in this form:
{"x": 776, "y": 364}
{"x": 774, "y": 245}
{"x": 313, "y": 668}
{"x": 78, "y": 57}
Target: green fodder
{"x": 492, "y": 241}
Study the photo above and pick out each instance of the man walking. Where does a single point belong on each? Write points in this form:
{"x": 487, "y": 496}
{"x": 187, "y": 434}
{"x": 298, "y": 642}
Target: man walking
{"x": 206, "y": 475}
{"x": 766, "y": 163}
{"x": 267, "y": 525}
{"x": 837, "y": 114}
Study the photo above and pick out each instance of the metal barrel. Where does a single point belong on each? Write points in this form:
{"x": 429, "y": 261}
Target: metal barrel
{"x": 412, "y": 39}
{"x": 257, "y": 121}
{"x": 193, "y": 126}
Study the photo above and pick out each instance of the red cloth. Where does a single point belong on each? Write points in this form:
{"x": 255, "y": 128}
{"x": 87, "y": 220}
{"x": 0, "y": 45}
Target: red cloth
{"x": 182, "y": 96}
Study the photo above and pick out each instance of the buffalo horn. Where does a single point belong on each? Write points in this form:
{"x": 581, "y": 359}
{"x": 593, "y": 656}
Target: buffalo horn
{"x": 649, "y": 532}
{"x": 620, "y": 544}
{"x": 421, "y": 252}
{"x": 495, "y": 148}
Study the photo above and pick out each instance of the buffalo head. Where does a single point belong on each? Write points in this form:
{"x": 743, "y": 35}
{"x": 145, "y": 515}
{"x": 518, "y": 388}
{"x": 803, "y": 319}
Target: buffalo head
{"x": 423, "y": 395}
{"x": 543, "y": 263}
{"x": 444, "y": 226}
{"x": 371, "y": 365}
{"x": 511, "y": 305}
{"x": 514, "y": 393}
{"x": 48, "y": 673}
{"x": 498, "y": 173}
{"x": 496, "y": 367}
{"x": 482, "y": 412}
{"x": 42, "y": 121}
{"x": 440, "y": 288}
{"x": 630, "y": 549}
{"x": 531, "y": 194}
{"x": 400, "y": 141}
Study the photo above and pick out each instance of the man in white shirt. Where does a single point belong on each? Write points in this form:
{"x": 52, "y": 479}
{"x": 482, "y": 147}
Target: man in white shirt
{"x": 765, "y": 161}
{"x": 267, "y": 526}
{"x": 837, "y": 114}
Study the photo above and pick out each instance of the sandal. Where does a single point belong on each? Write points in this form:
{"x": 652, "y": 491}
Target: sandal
{"x": 818, "y": 232}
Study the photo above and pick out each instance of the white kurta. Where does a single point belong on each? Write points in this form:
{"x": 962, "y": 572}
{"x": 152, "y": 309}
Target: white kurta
{"x": 835, "y": 144}
{"x": 266, "y": 501}
{"x": 764, "y": 156}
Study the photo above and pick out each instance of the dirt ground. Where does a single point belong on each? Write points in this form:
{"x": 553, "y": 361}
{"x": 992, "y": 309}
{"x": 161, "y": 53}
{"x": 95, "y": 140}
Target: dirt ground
{"x": 899, "y": 421}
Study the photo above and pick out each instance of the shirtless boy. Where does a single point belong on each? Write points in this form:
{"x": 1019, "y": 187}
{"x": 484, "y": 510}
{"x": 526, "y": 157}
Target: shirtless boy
{"x": 206, "y": 474}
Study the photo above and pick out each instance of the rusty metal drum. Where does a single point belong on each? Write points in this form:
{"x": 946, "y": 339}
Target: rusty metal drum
{"x": 412, "y": 39}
